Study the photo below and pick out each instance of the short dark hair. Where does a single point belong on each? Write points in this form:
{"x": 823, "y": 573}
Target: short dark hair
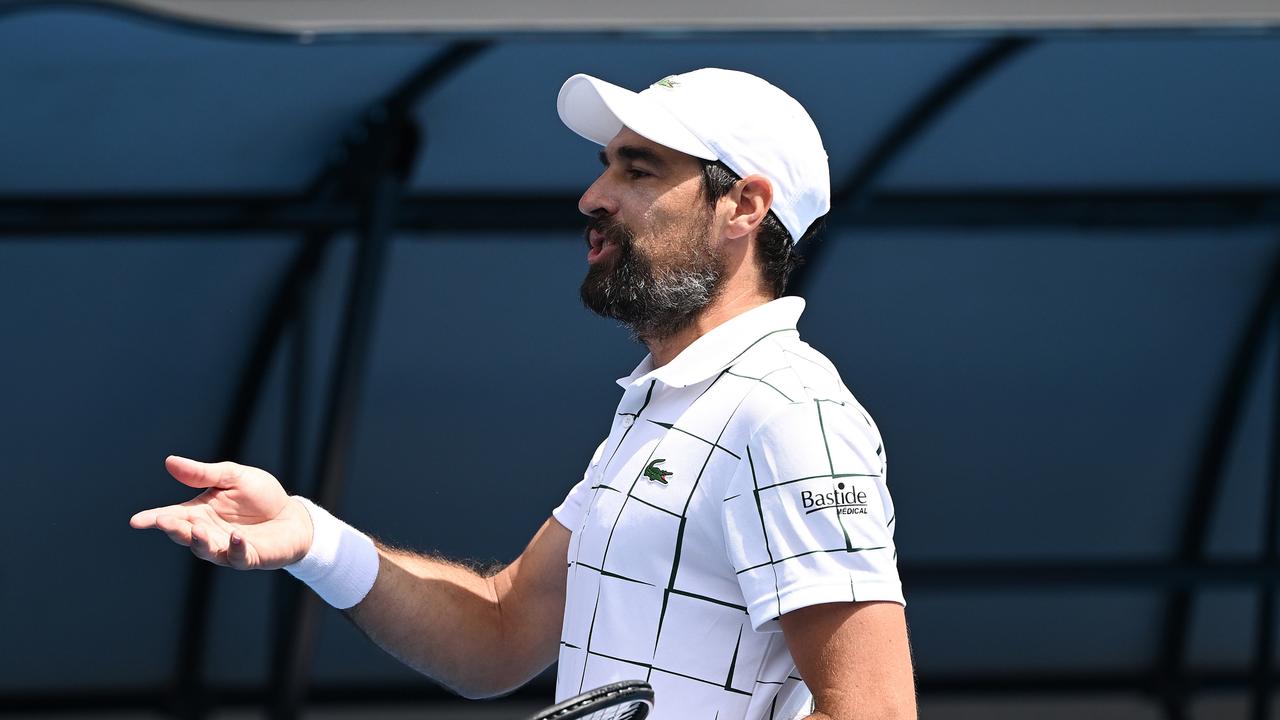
{"x": 775, "y": 251}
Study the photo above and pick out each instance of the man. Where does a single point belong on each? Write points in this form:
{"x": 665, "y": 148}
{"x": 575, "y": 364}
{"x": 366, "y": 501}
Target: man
{"x": 732, "y": 535}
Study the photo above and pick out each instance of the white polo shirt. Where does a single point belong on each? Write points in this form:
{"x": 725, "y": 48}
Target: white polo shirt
{"x": 739, "y": 482}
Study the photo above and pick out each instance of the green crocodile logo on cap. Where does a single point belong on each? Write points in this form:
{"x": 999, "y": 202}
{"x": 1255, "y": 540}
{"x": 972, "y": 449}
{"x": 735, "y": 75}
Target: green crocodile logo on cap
{"x": 667, "y": 82}
{"x": 657, "y": 474}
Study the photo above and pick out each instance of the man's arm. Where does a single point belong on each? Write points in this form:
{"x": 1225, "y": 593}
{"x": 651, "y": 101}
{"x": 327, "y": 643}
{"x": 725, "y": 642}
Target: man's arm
{"x": 855, "y": 659}
{"x": 480, "y": 636}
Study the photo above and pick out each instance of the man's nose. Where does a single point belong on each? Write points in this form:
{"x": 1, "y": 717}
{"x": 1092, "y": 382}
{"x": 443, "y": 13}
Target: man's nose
{"x": 597, "y": 200}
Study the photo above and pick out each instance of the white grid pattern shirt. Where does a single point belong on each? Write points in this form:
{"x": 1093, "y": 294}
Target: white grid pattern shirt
{"x": 739, "y": 482}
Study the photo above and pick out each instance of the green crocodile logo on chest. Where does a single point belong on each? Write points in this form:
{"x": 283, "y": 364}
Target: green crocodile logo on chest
{"x": 657, "y": 474}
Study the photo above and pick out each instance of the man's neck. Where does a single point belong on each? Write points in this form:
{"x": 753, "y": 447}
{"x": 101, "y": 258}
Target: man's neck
{"x": 725, "y": 308}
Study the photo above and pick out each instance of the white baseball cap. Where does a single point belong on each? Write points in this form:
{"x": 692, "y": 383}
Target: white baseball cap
{"x": 714, "y": 114}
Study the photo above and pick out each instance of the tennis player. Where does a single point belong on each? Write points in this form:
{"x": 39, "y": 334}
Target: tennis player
{"x": 731, "y": 541}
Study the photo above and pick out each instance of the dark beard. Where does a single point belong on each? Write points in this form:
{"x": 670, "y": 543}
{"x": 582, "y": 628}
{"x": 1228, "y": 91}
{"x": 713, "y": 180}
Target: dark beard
{"x": 653, "y": 302}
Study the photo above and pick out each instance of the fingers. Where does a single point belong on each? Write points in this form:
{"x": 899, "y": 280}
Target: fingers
{"x": 178, "y": 529}
{"x": 146, "y": 519}
{"x": 198, "y": 474}
{"x": 206, "y": 542}
{"x": 238, "y": 555}
{"x": 209, "y": 542}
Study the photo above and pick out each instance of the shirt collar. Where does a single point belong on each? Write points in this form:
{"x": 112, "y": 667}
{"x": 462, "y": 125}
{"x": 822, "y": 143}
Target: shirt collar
{"x": 720, "y": 347}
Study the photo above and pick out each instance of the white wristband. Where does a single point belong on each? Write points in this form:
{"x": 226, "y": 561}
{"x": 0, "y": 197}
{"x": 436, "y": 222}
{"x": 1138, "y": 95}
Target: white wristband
{"x": 342, "y": 562}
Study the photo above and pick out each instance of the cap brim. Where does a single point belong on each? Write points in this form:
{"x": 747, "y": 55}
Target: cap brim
{"x": 598, "y": 110}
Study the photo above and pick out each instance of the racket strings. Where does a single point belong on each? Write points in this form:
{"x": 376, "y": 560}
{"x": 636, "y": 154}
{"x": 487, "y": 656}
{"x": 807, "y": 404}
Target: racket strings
{"x": 625, "y": 700}
{"x": 634, "y": 711}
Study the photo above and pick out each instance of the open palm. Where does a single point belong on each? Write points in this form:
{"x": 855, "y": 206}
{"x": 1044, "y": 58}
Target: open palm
{"x": 243, "y": 519}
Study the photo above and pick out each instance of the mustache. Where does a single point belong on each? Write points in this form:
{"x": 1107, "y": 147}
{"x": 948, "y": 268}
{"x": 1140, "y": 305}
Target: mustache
{"x": 611, "y": 228}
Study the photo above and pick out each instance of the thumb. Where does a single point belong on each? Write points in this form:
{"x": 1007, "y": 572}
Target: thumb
{"x": 198, "y": 474}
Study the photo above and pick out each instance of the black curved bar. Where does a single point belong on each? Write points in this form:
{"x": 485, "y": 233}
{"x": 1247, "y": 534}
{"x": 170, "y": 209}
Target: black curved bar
{"x": 1264, "y": 633}
{"x": 380, "y": 163}
{"x": 852, "y": 196}
{"x": 1171, "y": 661}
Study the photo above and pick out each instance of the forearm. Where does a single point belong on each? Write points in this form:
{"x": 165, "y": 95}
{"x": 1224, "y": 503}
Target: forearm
{"x": 479, "y": 635}
{"x": 886, "y": 700}
{"x": 446, "y": 621}
{"x": 888, "y": 694}
{"x": 870, "y": 712}
{"x": 889, "y": 703}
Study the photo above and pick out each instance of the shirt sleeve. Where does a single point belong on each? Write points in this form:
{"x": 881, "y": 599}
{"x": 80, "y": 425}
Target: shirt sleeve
{"x": 569, "y": 512}
{"x": 807, "y": 515}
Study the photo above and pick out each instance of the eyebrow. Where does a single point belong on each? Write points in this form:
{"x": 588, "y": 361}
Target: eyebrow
{"x": 633, "y": 153}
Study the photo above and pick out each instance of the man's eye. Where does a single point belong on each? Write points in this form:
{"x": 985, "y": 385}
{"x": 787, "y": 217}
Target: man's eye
{"x": 636, "y": 174}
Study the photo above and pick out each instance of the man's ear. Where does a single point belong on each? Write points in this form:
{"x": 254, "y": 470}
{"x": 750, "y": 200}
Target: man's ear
{"x": 752, "y": 197}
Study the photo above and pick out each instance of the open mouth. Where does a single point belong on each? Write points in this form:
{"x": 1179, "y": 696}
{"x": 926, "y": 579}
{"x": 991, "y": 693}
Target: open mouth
{"x": 598, "y": 245}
